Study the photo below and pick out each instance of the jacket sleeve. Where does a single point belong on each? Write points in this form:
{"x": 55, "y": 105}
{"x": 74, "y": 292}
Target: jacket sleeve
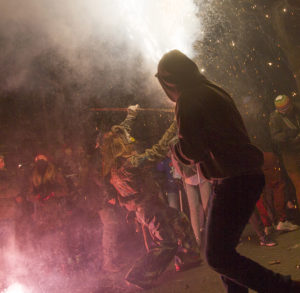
{"x": 191, "y": 147}
{"x": 161, "y": 149}
{"x": 129, "y": 120}
{"x": 279, "y": 134}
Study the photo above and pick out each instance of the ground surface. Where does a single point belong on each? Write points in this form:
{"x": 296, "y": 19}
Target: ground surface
{"x": 203, "y": 279}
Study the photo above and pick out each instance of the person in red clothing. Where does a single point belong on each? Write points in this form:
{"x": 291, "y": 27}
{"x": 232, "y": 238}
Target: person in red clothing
{"x": 213, "y": 136}
{"x": 271, "y": 205}
{"x": 285, "y": 133}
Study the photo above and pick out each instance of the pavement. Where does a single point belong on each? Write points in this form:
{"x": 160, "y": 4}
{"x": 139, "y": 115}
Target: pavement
{"x": 283, "y": 258}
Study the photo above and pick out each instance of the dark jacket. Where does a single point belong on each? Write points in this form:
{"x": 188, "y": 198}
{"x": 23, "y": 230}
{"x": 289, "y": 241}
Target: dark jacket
{"x": 284, "y": 130}
{"x": 211, "y": 130}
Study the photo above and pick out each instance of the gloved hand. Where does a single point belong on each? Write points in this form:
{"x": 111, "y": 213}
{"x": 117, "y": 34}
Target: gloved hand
{"x": 133, "y": 109}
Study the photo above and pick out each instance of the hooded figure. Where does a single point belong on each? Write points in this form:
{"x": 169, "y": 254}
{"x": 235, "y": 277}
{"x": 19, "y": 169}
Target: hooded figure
{"x": 211, "y": 130}
{"x": 212, "y": 136}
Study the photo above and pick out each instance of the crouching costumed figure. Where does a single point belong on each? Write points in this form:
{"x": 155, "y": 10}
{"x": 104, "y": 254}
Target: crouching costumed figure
{"x": 170, "y": 230}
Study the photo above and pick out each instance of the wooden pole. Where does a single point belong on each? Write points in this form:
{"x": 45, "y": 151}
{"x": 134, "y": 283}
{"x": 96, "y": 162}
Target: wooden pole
{"x": 125, "y": 109}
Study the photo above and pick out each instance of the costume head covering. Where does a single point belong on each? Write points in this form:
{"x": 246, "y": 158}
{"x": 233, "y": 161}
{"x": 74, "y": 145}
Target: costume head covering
{"x": 114, "y": 145}
{"x": 283, "y": 103}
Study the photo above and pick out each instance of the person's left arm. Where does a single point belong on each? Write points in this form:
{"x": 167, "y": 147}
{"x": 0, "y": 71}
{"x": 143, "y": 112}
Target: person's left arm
{"x": 131, "y": 116}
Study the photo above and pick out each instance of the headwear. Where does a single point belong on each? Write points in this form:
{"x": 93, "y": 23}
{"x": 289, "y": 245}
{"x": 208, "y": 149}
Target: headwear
{"x": 40, "y": 157}
{"x": 176, "y": 72}
{"x": 112, "y": 147}
{"x": 283, "y": 103}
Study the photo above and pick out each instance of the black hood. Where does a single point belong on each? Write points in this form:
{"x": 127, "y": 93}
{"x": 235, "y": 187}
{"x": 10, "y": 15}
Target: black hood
{"x": 177, "y": 72}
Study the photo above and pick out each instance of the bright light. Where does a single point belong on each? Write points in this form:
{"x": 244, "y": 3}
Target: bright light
{"x": 16, "y": 288}
{"x": 158, "y": 26}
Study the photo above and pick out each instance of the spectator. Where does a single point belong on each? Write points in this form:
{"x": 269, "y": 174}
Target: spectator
{"x": 285, "y": 132}
{"x": 272, "y": 204}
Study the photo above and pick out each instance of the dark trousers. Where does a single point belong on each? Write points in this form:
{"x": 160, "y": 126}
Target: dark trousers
{"x": 230, "y": 208}
{"x": 257, "y": 224}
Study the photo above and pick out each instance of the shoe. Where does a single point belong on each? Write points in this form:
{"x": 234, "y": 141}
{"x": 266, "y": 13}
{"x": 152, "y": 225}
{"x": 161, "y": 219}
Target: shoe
{"x": 269, "y": 230}
{"x": 267, "y": 241}
{"x": 286, "y": 226}
{"x": 187, "y": 261}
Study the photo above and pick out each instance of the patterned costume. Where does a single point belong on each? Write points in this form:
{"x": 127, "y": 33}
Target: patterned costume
{"x": 170, "y": 230}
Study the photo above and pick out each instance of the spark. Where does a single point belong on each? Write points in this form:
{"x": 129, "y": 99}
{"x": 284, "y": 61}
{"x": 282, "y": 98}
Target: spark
{"x": 160, "y": 26}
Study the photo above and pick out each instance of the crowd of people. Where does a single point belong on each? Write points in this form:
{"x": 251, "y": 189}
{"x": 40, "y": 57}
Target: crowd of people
{"x": 229, "y": 170}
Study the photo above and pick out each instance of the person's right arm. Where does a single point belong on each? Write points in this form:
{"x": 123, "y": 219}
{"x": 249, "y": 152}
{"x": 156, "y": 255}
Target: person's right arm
{"x": 191, "y": 147}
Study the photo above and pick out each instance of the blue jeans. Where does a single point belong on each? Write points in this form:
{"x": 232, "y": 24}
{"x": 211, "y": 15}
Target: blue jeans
{"x": 230, "y": 208}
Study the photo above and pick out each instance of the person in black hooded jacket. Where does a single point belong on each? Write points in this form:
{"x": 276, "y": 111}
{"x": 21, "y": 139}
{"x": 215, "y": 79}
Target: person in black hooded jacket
{"x": 212, "y": 136}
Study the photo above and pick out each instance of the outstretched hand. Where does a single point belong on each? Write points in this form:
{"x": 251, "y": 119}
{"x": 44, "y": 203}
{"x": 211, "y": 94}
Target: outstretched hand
{"x": 133, "y": 108}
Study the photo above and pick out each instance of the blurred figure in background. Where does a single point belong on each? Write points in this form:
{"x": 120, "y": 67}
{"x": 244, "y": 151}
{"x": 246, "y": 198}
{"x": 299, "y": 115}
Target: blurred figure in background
{"x": 272, "y": 204}
{"x": 83, "y": 226}
{"x": 285, "y": 132}
{"x": 49, "y": 194}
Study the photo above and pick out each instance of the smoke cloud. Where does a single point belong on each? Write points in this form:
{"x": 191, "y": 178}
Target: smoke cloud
{"x": 116, "y": 38}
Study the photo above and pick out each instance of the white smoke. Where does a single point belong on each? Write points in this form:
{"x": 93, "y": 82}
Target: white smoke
{"x": 144, "y": 28}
